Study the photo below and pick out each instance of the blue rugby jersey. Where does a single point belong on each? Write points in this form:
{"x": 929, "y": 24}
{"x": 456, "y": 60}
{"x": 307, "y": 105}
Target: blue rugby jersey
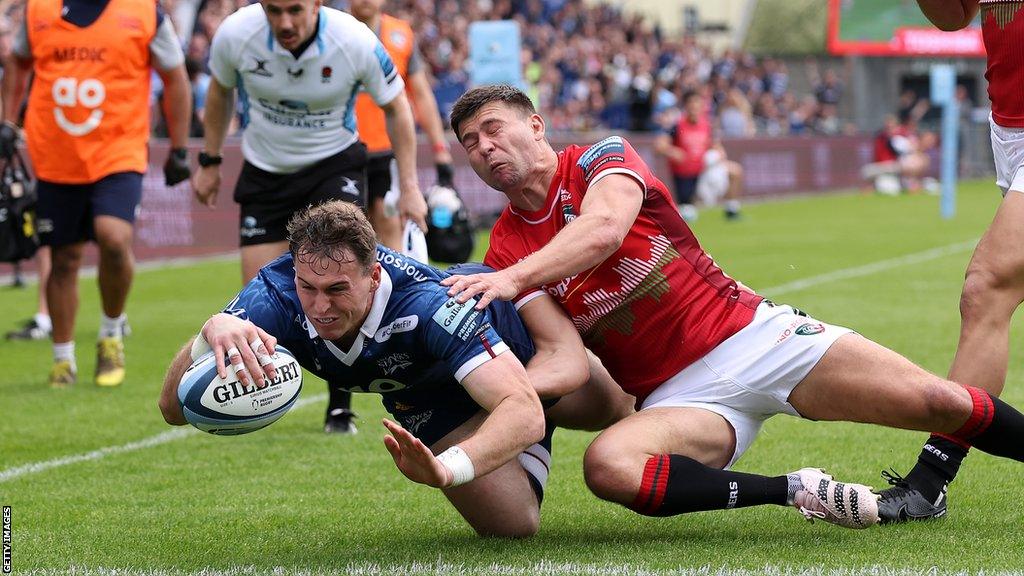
{"x": 416, "y": 345}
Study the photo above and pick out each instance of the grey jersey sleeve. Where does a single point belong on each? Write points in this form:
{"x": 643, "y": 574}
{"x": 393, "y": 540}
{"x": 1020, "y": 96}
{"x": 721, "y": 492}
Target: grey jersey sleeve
{"x": 165, "y": 48}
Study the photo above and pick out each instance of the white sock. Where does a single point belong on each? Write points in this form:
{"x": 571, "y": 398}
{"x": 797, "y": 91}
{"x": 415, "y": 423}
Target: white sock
{"x": 43, "y": 321}
{"x": 732, "y": 206}
{"x": 112, "y": 327}
{"x": 65, "y": 351}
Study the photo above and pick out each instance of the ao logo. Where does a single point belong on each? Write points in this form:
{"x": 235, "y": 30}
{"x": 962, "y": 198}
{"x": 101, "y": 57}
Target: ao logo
{"x": 69, "y": 93}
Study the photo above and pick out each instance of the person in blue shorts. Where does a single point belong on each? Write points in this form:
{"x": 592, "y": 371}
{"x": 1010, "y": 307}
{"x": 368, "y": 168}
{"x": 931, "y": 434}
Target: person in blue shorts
{"x": 466, "y": 388}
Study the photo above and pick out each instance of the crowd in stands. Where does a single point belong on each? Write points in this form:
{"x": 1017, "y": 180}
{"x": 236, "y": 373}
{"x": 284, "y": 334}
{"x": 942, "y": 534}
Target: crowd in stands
{"x": 587, "y": 66}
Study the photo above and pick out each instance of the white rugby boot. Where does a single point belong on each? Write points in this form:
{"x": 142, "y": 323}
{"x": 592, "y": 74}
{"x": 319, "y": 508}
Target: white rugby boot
{"x": 846, "y": 505}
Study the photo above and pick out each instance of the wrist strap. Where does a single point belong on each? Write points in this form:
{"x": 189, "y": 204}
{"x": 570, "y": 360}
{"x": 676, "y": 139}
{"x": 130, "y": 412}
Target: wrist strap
{"x": 457, "y": 461}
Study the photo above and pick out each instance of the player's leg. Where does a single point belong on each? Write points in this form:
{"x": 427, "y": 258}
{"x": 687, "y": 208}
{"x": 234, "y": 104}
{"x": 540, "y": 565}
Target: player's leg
{"x": 256, "y": 256}
{"x": 686, "y": 189}
{"x": 861, "y": 381}
{"x": 64, "y": 212}
{"x": 39, "y": 326}
{"x": 382, "y": 211}
{"x": 671, "y": 460}
{"x": 595, "y": 406}
{"x": 734, "y": 192}
{"x": 115, "y": 202}
{"x": 993, "y": 289}
{"x": 668, "y": 458}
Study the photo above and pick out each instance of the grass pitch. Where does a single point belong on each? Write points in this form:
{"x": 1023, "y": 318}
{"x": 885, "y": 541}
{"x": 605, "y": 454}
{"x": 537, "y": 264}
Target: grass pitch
{"x": 98, "y": 484}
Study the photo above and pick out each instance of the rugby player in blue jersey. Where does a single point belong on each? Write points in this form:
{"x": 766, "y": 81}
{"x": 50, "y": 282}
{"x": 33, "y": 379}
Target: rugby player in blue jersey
{"x": 366, "y": 319}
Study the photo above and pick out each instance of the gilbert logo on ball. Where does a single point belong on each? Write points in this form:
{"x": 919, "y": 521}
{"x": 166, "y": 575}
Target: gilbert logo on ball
{"x": 225, "y": 406}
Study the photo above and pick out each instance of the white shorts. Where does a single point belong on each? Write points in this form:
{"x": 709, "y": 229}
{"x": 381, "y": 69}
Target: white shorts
{"x": 748, "y": 378}
{"x": 713, "y": 184}
{"x": 1008, "y": 152}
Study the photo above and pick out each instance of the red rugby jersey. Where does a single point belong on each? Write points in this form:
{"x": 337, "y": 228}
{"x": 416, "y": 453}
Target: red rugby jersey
{"x": 1002, "y": 26}
{"x": 654, "y": 306}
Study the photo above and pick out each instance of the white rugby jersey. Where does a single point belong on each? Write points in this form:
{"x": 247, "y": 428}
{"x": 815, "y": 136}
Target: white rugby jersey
{"x": 298, "y": 111}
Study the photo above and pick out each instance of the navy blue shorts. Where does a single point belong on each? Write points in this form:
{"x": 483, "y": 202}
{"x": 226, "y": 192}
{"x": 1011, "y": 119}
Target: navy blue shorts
{"x": 686, "y": 188}
{"x": 66, "y": 211}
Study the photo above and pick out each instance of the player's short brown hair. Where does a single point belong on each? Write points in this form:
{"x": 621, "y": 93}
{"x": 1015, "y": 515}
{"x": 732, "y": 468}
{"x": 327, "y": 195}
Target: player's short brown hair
{"x": 471, "y": 101}
{"x": 330, "y": 231}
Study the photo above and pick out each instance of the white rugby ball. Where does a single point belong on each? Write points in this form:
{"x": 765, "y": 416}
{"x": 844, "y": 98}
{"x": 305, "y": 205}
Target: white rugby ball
{"x": 226, "y": 407}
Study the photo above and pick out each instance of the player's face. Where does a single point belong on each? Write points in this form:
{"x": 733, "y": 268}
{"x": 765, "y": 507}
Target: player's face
{"x": 363, "y": 10}
{"x": 695, "y": 107}
{"x": 336, "y": 295}
{"x": 501, "y": 143}
{"x": 292, "y": 21}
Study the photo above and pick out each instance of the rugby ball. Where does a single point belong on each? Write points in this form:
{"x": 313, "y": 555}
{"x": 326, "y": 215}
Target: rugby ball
{"x": 226, "y": 407}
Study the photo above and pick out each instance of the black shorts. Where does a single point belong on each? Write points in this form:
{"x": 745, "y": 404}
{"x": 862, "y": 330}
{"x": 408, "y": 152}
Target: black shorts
{"x": 269, "y": 200}
{"x": 686, "y": 188}
{"x": 378, "y": 175}
{"x": 66, "y": 211}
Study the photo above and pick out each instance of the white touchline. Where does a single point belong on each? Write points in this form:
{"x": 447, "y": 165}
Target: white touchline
{"x": 871, "y": 268}
{"x": 177, "y": 434}
{"x": 156, "y": 440}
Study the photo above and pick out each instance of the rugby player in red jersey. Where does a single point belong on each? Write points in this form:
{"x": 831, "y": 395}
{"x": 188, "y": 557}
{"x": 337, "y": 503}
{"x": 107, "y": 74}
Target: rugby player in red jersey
{"x": 707, "y": 359}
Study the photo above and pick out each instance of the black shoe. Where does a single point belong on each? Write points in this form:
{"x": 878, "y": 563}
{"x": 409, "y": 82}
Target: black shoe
{"x": 903, "y": 503}
{"x": 340, "y": 421}
{"x": 30, "y": 330}
{"x": 733, "y": 215}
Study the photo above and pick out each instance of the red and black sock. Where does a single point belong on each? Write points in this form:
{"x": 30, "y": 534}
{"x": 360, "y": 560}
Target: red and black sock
{"x": 994, "y": 426}
{"x": 674, "y": 484}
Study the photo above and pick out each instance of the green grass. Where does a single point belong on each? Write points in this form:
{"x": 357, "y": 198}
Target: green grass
{"x": 877, "y": 20}
{"x": 293, "y": 499}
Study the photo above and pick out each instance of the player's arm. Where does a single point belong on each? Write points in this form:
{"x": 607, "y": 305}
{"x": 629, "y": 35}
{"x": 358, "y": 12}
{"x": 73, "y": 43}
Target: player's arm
{"x": 559, "y": 366}
{"x": 515, "y": 420}
{"x": 430, "y": 117}
{"x": 949, "y": 15}
{"x": 402, "y": 132}
{"x": 607, "y": 212}
{"x": 17, "y": 65}
{"x": 170, "y": 408}
{"x": 220, "y": 106}
{"x": 663, "y": 145}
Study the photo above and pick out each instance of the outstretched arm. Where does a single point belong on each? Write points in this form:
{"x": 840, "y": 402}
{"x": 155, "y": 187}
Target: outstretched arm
{"x": 606, "y": 215}
{"x": 515, "y": 420}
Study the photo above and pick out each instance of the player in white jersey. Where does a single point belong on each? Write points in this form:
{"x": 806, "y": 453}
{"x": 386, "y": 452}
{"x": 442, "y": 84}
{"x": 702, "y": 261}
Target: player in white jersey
{"x": 297, "y": 67}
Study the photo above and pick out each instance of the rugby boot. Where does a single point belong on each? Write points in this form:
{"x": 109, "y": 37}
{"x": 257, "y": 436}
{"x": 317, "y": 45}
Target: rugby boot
{"x": 340, "y": 421}
{"x": 30, "y": 330}
{"x": 109, "y": 362}
{"x": 846, "y": 505}
{"x": 62, "y": 374}
{"x": 903, "y": 503}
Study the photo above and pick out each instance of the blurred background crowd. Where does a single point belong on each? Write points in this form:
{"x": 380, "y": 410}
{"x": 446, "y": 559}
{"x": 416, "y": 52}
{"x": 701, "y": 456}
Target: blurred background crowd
{"x": 587, "y": 66}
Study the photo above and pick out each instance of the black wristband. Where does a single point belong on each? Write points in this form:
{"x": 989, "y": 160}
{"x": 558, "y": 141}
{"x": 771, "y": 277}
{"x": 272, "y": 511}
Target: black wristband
{"x": 208, "y": 160}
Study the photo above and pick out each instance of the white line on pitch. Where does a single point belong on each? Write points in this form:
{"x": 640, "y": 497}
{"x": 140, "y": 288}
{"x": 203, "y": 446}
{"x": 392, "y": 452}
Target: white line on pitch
{"x": 871, "y": 268}
{"x": 156, "y": 440}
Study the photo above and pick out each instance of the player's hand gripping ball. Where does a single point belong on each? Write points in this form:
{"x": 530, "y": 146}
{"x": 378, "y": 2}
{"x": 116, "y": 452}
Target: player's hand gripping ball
{"x": 226, "y": 407}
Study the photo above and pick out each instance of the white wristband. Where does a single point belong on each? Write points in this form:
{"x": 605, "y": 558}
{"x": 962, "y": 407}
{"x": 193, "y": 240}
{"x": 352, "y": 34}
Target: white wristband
{"x": 200, "y": 347}
{"x": 457, "y": 461}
